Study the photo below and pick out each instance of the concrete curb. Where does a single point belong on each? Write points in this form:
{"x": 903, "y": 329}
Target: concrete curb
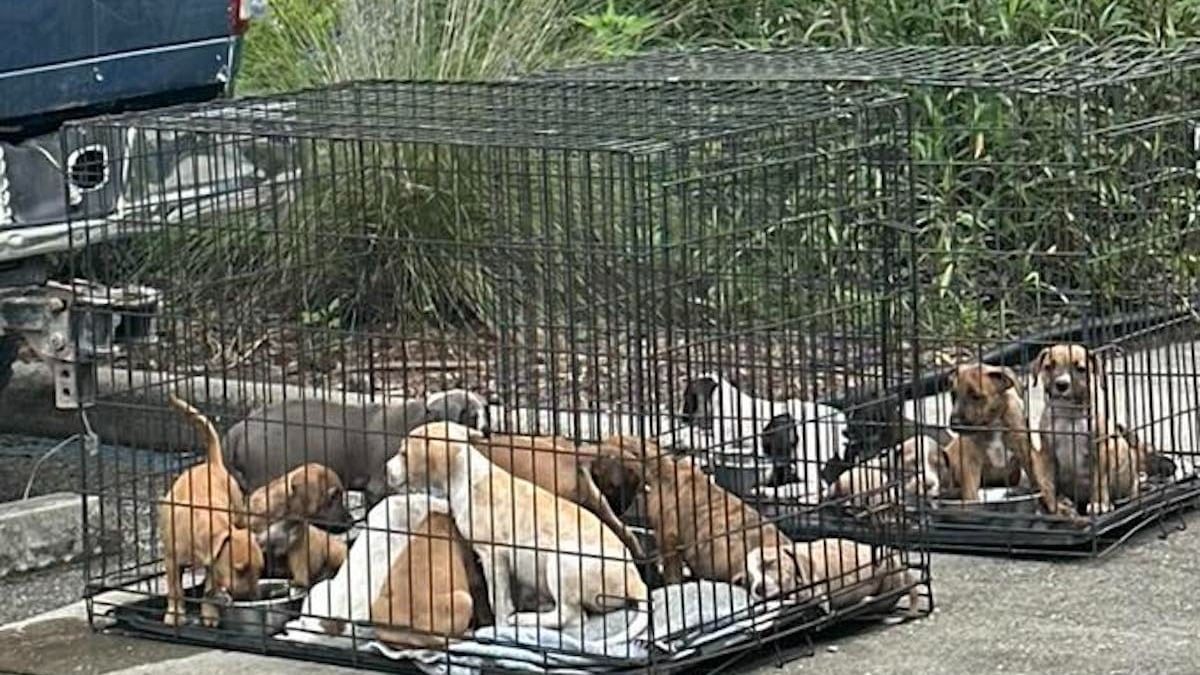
{"x": 44, "y": 531}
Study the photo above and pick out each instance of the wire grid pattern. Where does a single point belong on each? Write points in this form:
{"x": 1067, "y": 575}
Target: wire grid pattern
{"x": 594, "y": 249}
{"x": 1053, "y": 193}
{"x": 1037, "y": 69}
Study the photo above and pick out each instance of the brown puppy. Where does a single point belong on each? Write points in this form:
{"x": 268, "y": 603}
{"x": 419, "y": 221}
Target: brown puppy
{"x": 1091, "y": 459}
{"x": 427, "y": 597}
{"x": 303, "y": 492}
{"x": 715, "y": 532}
{"x": 553, "y": 463}
{"x": 993, "y": 445}
{"x": 197, "y": 521}
{"x": 312, "y": 553}
{"x": 845, "y": 573}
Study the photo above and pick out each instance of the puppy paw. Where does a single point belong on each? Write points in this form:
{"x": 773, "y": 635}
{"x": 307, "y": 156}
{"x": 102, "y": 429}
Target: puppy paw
{"x": 1099, "y": 508}
{"x": 210, "y": 621}
{"x": 173, "y": 618}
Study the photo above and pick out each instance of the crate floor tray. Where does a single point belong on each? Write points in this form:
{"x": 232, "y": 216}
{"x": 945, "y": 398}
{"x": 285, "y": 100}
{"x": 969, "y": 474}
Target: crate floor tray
{"x": 758, "y": 632}
{"x": 961, "y": 530}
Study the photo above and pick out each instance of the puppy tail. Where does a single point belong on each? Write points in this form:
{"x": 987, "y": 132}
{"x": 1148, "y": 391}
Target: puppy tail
{"x": 204, "y": 425}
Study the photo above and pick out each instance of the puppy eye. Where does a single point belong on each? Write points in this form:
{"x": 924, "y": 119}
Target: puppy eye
{"x": 1080, "y": 368}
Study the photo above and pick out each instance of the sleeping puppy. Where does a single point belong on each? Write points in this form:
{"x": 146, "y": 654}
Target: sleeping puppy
{"x": 803, "y": 434}
{"x": 355, "y": 441}
{"x": 843, "y": 573}
{"x": 920, "y": 461}
{"x": 428, "y": 595}
{"x": 698, "y": 522}
{"x": 555, "y": 463}
{"x": 522, "y": 533}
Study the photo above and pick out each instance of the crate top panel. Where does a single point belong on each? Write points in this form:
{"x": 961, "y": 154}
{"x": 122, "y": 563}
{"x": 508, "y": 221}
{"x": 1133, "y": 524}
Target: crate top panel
{"x": 1033, "y": 69}
{"x": 614, "y": 117}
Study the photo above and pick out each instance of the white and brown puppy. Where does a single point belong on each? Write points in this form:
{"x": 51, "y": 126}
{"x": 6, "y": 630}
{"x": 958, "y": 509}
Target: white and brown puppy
{"x": 698, "y": 522}
{"x": 548, "y": 545}
{"x": 1092, "y": 461}
{"x": 919, "y": 462}
{"x": 200, "y": 521}
{"x": 556, "y": 464}
{"x": 844, "y": 573}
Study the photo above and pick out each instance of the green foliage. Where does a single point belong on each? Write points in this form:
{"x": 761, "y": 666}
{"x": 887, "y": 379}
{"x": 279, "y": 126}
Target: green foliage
{"x": 994, "y": 171}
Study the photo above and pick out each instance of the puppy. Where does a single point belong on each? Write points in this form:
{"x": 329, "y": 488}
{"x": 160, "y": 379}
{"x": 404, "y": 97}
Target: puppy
{"x": 522, "y": 532}
{"x": 355, "y": 441}
{"x": 993, "y": 445}
{"x": 197, "y": 520}
{"x": 554, "y": 463}
{"x": 715, "y": 406}
{"x": 427, "y": 597}
{"x": 1091, "y": 460}
{"x": 919, "y": 461}
{"x": 302, "y": 493}
{"x": 312, "y": 553}
{"x": 844, "y": 573}
{"x": 700, "y": 523}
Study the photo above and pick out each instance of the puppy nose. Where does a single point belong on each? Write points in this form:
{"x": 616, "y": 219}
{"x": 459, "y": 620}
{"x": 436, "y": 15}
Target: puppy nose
{"x": 1061, "y": 386}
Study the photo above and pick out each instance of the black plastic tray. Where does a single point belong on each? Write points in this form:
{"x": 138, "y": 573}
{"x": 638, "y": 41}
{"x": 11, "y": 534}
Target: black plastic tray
{"x": 788, "y": 639}
{"x": 989, "y": 532}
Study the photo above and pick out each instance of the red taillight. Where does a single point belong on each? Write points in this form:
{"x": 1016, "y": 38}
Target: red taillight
{"x": 239, "y": 21}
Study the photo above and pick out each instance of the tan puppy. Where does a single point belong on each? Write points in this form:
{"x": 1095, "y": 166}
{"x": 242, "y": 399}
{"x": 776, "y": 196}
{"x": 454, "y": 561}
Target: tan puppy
{"x": 303, "y": 492}
{"x": 698, "y": 522}
{"x": 312, "y": 553}
{"x": 197, "y": 522}
{"x": 919, "y": 460}
{"x": 522, "y": 532}
{"x": 427, "y": 597}
{"x": 993, "y": 445}
{"x": 1090, "y": 457}
{"x": 553, "y": 463}
{"x": 845, "y": 573}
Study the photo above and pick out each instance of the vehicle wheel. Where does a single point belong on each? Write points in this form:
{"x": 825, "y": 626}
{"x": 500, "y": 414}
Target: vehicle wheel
{"x": 8, "y": 354}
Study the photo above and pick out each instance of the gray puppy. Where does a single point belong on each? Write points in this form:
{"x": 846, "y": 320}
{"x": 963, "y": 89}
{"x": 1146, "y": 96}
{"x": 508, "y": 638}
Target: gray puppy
{"x": 355, "y": 441}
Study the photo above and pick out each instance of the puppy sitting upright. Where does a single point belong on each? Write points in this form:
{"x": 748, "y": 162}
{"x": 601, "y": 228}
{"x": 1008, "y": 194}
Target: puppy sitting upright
{"x": 993, "y": 444}
{"x": 198, "y": 521}
{"x": 1091, "y": 460}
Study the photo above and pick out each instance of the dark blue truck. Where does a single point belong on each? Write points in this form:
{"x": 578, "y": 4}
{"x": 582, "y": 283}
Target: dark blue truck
{"x": 67, "y": 59}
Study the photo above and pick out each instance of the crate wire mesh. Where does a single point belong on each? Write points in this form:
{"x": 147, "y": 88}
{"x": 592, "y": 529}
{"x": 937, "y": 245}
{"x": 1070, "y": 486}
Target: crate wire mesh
{"x": 350, "y": 262}
{"x": 1054, "y": 192}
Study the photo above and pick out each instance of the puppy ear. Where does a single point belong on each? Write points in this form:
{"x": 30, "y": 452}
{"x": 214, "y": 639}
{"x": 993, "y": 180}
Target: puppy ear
{"x": 1039, "y": 363}
{"x": 1004, "y": 378}
{"x": 952, "y": 378}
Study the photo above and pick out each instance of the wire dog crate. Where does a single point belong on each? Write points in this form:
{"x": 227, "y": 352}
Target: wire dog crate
{"x": 1053, "y": 193}
{"x": 362, "y": 279}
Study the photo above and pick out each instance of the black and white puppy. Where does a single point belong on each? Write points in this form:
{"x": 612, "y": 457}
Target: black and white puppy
{"x": 797, "y": 437}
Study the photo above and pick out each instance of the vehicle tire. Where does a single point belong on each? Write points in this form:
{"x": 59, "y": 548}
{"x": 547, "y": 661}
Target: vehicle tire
{"x": 8, "y": 354}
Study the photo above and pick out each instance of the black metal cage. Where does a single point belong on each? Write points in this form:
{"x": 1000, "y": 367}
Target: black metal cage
{"x": 1053, "y": 194}
{"x": 630, "y": 295}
